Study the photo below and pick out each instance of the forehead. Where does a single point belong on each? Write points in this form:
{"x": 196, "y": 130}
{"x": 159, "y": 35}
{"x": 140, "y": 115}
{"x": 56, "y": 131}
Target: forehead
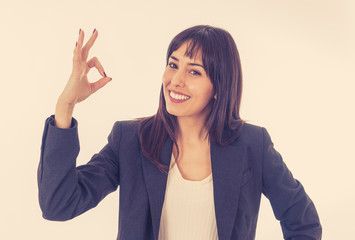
{"x": 189, "y": 49}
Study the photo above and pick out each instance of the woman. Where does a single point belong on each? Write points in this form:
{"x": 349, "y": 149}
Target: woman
{"x": 164, "y": 164}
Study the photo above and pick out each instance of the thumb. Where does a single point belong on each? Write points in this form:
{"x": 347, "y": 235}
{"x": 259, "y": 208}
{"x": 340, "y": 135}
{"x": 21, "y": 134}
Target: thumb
{"x": 99, "y": 83}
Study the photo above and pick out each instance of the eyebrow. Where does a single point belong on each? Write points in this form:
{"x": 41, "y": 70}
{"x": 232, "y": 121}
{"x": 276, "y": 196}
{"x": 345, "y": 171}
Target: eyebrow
{"x": 191, "y": 64}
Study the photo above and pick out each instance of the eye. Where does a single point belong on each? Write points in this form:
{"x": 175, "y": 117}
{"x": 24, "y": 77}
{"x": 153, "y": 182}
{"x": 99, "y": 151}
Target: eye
{"x": 172, "y": 65}
{"x": 194, "y": 72}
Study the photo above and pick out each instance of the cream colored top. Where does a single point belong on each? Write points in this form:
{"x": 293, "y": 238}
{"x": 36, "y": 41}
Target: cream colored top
{"x": 188, "y": 211}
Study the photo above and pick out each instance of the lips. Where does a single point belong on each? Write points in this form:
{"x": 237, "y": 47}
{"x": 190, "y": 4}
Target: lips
{"x": 178, "y": 97}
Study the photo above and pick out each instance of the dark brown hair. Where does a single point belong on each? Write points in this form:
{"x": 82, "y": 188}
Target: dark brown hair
{"x": 222, "y": 64}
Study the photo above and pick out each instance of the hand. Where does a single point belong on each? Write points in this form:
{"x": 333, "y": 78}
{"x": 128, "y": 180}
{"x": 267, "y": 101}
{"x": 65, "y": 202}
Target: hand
{"x": 78, "y": 88}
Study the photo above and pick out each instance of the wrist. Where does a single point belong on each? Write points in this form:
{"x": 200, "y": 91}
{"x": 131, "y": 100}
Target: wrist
{"x": 63, "y": 102}
{"x": 63, "y": 114}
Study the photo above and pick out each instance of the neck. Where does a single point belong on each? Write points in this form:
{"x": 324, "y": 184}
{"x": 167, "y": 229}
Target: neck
{"x": 190, "y": 134}
{"x": 191, "y": 130}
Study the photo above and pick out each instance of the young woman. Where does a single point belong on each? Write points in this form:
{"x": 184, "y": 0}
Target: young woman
{"x": 194, "y": 170}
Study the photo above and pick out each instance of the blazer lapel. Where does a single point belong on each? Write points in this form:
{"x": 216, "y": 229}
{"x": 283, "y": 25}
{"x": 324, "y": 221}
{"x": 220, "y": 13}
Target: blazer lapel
{"x": 155, "y": 182}
{"x": 228, "y": 165}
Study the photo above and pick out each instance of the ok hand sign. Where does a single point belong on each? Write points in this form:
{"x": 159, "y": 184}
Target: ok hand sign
{"x": 78, "y": 88}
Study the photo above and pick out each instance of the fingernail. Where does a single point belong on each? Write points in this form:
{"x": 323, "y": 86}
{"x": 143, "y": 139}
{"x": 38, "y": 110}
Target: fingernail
{"x": 79, "y": 31}
{"x": 94, "y": 31}
{"x": 105, "y": 74}
{"x": 110, "y": 79}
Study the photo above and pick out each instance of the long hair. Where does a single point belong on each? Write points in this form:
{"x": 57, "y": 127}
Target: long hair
{"x": 221, "y": 60}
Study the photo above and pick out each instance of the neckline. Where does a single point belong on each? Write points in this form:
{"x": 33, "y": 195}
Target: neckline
{"x": 175, "y": 169}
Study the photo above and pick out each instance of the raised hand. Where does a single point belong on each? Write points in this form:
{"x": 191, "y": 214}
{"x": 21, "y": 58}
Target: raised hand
{"x": 78, "y": 88}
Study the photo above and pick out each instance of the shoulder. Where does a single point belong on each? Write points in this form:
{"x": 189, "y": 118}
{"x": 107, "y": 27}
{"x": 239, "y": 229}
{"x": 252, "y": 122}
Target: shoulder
{"x": 249, "y": 128}
{"x": 124, "y": 133}
{"x": 252, "y": 134}
{"x": 126, "y": 125}
{"x": 125, "y": 128}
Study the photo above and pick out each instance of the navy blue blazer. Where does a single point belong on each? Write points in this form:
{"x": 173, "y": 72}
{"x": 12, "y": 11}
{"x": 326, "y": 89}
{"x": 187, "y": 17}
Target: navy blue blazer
{"x": 241, "y": 172}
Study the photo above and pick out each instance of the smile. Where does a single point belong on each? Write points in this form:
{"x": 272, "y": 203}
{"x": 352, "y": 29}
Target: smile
{"x": 177, "y": 98}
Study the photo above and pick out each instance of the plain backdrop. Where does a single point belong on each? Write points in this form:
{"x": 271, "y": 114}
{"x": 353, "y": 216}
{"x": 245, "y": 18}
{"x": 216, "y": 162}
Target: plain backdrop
{"x": 298, "y": 66}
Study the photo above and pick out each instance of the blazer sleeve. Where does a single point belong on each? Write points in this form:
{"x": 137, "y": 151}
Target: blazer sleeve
{"x": 291, "y": 205}
{"x": 66, "y": 191}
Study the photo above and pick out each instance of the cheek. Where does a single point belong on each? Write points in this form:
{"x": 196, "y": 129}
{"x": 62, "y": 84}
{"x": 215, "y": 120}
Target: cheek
{"x": 208, "y": 95}
{"x": 165, "y": 82}
{"x": 166, "y": 78}
{"x": 205, "y": 91}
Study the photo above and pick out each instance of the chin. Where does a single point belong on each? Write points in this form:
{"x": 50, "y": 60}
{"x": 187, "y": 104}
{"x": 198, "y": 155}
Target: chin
{"x": 174, "y": 112}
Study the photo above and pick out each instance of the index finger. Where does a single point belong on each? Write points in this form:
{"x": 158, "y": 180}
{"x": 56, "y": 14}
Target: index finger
{"x": 89, "y": 43}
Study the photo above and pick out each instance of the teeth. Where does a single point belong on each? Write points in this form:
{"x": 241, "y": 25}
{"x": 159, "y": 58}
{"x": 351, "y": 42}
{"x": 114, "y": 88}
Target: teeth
{"x": 178, "y": 96}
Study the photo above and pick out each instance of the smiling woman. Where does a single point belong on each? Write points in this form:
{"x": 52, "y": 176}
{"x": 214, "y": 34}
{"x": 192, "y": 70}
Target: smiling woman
{"x": 194, "y": 170}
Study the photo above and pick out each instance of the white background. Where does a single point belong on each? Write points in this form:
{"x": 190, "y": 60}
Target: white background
{"x": 298, "y": 63}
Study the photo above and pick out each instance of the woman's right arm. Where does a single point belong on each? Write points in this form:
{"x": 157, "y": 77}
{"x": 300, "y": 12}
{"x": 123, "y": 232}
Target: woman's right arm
{"x": 65, "y": 190}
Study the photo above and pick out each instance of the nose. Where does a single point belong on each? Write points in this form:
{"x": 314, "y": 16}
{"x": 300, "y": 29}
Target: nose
{"x": 178, "y": 79}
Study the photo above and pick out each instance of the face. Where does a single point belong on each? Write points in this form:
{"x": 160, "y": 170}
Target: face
{"x": 187, "y": 88}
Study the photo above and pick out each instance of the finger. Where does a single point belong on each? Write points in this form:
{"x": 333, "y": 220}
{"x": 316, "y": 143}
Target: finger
{"x": 81, "y": 38}
{"x": 77, "y": 50}
{"x": 94, "y": 62}
{"x": 88, "y": 45}
{"x": 99, "y": 83}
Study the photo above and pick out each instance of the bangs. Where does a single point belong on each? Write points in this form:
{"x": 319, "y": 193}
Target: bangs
{"x": 195, "y": 44}
{"x": 207, "y": 41}
{"x": 193, "y": 47}
{"x": 196, "y": 41}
